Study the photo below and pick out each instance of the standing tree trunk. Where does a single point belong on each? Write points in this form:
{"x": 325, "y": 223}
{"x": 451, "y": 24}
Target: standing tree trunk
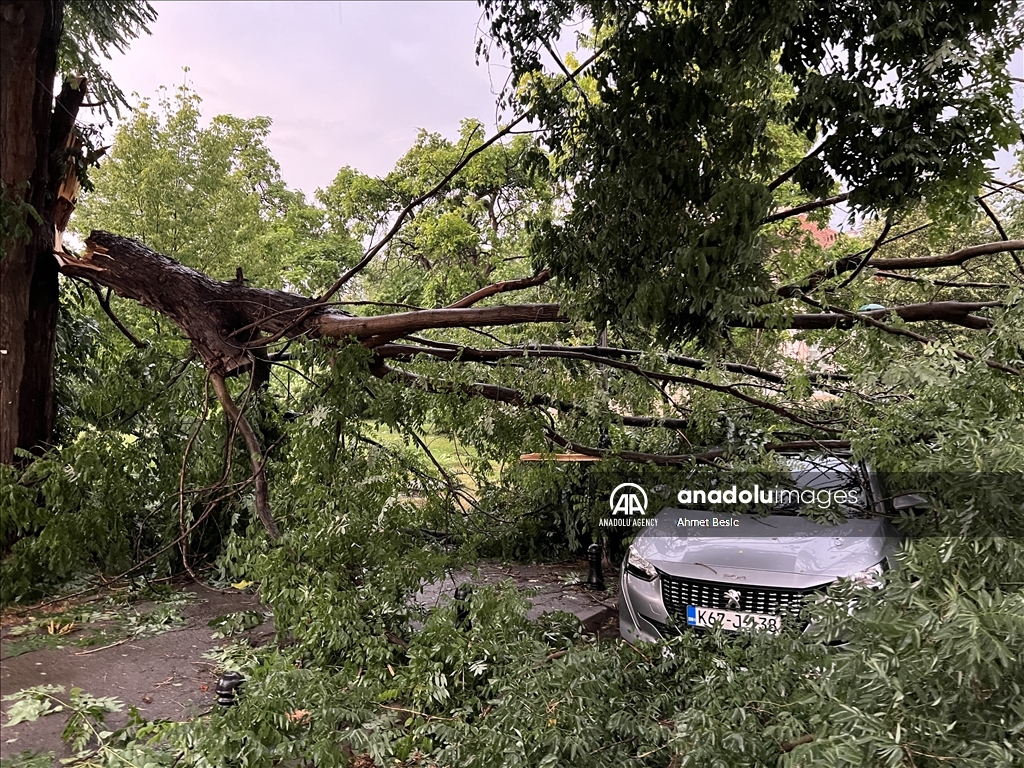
{"x": 29, "y": 36}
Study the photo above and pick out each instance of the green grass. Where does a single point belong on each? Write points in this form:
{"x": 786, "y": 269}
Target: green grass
{"x": 456, "y": 459}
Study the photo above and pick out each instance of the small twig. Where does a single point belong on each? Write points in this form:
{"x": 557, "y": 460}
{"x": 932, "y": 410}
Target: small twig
{"x": 789, "y": 174}
{"x": 103, "y": 647}
{"x": 571, "y": 77}
{"x": 871, "y": 252}
{"x": 551, "y": 657}
{"x": 999, "y": 228}
{"x": 641, "y": 653}
{"x": 1002, "y": 186}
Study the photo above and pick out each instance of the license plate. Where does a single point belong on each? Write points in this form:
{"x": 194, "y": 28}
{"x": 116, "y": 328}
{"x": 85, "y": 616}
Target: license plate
{"x": 731, "y": 620}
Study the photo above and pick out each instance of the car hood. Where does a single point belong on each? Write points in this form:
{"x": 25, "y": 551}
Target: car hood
{"x": 802, "y": 553}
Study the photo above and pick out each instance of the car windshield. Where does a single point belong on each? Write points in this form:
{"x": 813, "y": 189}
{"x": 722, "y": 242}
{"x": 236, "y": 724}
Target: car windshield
{"x": 821, "y": 485}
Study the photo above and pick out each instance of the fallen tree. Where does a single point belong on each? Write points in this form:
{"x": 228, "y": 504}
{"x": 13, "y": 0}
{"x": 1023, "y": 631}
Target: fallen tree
{"x": 675, "y": 317}
{"x": 230, "y": 324}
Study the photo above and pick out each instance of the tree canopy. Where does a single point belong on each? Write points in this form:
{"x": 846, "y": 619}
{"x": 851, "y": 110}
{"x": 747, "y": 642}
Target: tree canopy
{"x": 698, "y": 119}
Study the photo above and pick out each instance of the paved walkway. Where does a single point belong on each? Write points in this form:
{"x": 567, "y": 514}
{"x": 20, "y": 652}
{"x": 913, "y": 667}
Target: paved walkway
{"x": 166, "y": 676}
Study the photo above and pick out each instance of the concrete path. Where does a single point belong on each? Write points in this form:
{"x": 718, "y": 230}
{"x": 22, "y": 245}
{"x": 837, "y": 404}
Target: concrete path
{"x": 166, "y": 677}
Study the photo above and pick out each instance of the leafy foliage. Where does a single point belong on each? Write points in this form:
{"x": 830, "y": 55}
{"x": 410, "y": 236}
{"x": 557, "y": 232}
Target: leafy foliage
{"x": 233, "y": 623}
{"x": 92, "y": 30}
{"x": 688, "y": 120}
{"x": 211, "y": 197}
{"x": 88, "y": 712}
{"x": 474, "y": 234}
{"x": 650, "y": 208}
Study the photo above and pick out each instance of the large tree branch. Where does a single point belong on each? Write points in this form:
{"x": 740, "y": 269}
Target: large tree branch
{"x": 956, "y": 312}
{"x": 468, "y": 301}
{"x": 813, "y": 205}
{"x": 866, "y": 319}
{"x": 939, "y": 283}
{"x": 225, "y": 320}
{"x": 949, "y": 259}
{"x": 255, "y": 454}
{"x": 848, "y": 263}
{"x": 209, "y": 312}
{"x": 399, "y": 324}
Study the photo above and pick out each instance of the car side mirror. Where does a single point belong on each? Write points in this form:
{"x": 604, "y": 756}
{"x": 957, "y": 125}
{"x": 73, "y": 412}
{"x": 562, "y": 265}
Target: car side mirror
{"x": 908, "y": 501}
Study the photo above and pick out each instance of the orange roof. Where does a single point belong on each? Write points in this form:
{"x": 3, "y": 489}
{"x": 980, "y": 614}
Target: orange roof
{"x": 824, "y": 237}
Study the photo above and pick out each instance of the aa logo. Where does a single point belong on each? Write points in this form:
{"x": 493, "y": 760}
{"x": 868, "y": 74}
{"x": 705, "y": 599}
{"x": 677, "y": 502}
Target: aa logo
{"x": 628, "y": 499}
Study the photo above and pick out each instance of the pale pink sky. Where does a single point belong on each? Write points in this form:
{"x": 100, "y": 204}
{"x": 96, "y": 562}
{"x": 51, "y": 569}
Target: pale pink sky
{"x": 345, "y": 83}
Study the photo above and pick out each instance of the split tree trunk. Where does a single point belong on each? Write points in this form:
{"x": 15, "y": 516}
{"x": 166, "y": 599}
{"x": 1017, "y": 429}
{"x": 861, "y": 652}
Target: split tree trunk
{"x": 230, "y": 323}
{"x": 29, "y": 35}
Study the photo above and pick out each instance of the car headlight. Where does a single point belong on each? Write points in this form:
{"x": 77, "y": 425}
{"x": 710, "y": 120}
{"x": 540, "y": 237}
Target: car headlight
{"x": 870, "y": 578}
{"x": 638, "y": 566}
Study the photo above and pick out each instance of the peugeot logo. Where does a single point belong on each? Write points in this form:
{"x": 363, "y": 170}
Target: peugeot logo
{"x": 732, "y": 599}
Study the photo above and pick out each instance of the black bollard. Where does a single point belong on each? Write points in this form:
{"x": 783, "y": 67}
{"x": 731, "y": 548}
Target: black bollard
{"x": 228, "y": 688}
{"x": 595, "y": 578}
{"x": 462, "y": 606}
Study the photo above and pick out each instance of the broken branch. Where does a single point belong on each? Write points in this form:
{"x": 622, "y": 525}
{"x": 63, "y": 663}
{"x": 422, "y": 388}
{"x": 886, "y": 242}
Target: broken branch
{"x": 255, "y": 454}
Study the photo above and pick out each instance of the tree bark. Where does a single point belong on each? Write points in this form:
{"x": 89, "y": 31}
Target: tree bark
{"x": 228, "y": 322}
{"x": 955, "y": 312}
{"x": 29, "y": 35}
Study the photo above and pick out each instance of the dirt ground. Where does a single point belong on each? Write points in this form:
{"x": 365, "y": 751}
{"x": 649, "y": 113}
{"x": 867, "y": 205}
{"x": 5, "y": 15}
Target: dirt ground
{"x": 166, "y": 676}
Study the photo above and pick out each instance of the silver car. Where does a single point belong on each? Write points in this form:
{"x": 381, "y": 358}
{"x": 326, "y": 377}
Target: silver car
{"x": 694, "y": 567}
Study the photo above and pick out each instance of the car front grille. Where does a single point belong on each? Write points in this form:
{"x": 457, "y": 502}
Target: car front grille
{"x": 678, "y": 593}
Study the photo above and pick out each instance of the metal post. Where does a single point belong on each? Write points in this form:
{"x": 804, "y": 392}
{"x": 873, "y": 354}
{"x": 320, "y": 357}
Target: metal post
{"x": 595, "y": 578}
{"x": 228, "y": 688}
{"x": 462, "y": 594}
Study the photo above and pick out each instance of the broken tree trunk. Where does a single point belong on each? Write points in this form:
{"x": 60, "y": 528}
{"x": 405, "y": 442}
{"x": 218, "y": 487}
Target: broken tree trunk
{"x": 229, "y": 323}
{"x": 226, "y": 321}
{"x": 29, "y": 37}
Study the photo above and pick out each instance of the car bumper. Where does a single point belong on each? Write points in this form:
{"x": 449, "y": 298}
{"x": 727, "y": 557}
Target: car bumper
{"x": 643, "y": 615}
